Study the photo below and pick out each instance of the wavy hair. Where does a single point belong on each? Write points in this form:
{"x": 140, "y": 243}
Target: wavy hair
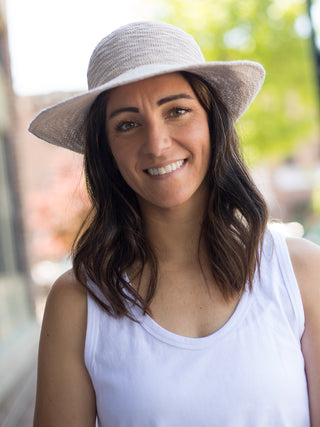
{"x": 112, "y": 238}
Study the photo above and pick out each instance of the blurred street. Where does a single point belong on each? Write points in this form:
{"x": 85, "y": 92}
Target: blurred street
{"x": 21, "y": 415}
{"x": 17, "y": 409}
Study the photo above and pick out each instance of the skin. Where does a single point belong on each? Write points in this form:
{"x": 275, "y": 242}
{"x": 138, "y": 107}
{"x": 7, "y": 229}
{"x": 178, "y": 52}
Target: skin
{"x": 305, "y": 258}
{"x": 153, "y": 136}
{"x": 147, "y": 129}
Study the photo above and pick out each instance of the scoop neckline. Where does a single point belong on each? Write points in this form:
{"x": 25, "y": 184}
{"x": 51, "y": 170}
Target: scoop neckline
{"x": 173, "y": 339}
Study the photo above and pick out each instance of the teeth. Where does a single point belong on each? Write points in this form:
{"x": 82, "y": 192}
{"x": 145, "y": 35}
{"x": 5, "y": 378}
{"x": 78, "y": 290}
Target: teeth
{"x": 166, "y": 169}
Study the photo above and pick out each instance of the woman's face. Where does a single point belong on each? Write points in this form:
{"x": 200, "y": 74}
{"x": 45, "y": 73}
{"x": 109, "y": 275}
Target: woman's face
{"x": 159, "y": 136}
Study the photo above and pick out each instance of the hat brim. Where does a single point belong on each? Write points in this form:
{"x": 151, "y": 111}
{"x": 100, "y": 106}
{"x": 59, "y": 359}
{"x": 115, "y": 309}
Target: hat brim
{"x": 236, "y": 82}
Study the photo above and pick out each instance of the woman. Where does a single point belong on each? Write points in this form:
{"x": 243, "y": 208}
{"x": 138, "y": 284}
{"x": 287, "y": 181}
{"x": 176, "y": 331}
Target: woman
{"x": 181, "y": 308}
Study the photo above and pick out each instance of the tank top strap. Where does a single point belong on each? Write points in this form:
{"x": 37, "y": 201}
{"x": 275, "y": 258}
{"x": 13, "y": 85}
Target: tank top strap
{"x": 276, "y": 253}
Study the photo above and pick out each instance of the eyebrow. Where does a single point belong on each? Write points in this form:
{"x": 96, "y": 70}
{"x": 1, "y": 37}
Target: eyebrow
{"x": 159, "y": 103}
{"x": 173, "y": 98}
{"x": 123, "y": 110}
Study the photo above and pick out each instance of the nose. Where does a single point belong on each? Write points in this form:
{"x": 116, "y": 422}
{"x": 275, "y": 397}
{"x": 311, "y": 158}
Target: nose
{"x": 157, "y": 139}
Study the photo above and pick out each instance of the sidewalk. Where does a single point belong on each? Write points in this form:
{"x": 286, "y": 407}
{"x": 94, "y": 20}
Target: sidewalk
{"x": 27, "y": 417}
{"x": 22, "y": 402}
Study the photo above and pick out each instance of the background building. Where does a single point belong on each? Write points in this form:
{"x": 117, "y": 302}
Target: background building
{"x": 19, "y": 330}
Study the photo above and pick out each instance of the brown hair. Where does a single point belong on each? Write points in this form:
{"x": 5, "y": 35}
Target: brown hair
{"x": 112, "y": 239}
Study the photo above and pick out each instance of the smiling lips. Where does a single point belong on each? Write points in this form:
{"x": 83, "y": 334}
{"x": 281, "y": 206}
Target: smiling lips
{"x": 166, "y": 169}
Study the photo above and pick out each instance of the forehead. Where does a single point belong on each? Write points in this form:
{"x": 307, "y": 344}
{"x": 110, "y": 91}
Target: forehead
{"x": 154, "y": 87}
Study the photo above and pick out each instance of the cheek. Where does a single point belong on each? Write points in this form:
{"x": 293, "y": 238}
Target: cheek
{"x": 119, "y": 154}
{"x": 122, "y": 166}
{"x": 125, "y": 164}
{"x": 199, "y": 139}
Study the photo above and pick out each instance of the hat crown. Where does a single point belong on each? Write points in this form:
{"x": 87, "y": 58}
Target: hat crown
{"x": 141, "y": 44}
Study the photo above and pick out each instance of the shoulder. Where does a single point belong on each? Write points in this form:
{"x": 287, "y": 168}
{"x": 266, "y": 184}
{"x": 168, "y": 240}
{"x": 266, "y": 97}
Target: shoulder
{"x": 305, "y": 258}
{"x": 303, "y": 253}
{"x": 67, "y": 289}
{"x": 65, "y": 312}
{"x": 68, "y": 293}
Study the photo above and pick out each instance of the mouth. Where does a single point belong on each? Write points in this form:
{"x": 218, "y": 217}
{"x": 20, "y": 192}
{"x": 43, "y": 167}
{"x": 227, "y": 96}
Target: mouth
{"x": 166, "y": 169}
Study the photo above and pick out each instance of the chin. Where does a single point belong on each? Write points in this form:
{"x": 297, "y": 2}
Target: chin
{"x": 170, "y": 202}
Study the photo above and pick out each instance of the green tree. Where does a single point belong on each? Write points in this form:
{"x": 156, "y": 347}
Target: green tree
{"x": 274, "y": 33}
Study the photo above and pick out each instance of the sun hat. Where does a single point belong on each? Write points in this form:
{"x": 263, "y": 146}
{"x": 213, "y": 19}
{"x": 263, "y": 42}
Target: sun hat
{"x": 135, "y": 52}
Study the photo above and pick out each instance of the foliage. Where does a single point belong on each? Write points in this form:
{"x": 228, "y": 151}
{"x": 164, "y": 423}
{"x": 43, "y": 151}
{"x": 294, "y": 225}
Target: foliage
{"x": 275, "y": 33}
{"x": 55, "y": 213}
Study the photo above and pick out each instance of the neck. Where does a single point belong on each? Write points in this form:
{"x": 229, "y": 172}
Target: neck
{"x": 174, "y": 233}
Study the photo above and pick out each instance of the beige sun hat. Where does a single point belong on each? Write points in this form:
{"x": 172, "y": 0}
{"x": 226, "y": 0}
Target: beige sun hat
{"x": 135, "y": 52}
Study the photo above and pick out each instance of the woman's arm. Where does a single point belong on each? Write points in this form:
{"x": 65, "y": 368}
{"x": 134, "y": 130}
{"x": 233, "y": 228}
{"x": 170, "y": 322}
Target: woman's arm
{"x": 305, "y": 258}
{"x": 65, "y": 396}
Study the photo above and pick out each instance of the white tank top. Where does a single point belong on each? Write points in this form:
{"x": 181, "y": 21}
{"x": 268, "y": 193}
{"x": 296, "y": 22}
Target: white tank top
{"x": 249, "y": 373}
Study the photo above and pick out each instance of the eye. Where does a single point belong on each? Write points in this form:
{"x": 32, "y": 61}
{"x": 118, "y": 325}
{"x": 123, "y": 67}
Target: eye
{"x": 125, "y": 126}
{"x": 178, "y": 111}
